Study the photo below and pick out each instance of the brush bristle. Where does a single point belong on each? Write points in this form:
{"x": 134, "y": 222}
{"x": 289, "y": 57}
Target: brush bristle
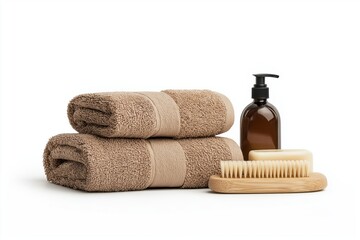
{"x": 266, "y": 169}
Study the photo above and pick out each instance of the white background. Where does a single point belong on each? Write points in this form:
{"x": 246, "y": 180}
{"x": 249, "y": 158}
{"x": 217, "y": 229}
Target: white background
{"x": 54, "y": 50}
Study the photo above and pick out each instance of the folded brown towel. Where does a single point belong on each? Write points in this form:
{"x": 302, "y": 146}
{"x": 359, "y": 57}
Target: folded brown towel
{"x": 92, "y": 163}
{"x": 170, "y": 113}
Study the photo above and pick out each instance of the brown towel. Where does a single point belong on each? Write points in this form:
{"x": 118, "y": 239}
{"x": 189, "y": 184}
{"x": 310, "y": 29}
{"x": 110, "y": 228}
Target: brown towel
{"x": 170, "y": 113}
{"x": 92, "y": 163}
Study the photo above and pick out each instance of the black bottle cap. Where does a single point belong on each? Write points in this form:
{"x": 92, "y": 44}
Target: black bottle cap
{"x": 260, "y": 89}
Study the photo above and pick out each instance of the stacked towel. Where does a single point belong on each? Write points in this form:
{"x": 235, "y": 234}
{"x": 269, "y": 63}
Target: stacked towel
{"x": 93, "y": 163}
{"x": 170, "y": 113}
{"x": 113, "y": 151}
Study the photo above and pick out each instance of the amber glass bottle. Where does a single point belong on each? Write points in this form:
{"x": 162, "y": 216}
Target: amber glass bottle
{"x": 260, "y": 120}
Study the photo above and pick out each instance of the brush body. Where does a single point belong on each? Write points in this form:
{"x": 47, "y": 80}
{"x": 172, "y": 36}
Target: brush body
{"x": 267, "y": 176}
{"x": 315, "y": 182}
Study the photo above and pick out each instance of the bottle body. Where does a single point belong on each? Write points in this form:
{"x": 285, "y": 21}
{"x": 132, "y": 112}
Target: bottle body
{"x": 259, "y": 127}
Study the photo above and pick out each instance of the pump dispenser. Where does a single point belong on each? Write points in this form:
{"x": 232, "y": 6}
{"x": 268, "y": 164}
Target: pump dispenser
{"x": 260, "y": 120}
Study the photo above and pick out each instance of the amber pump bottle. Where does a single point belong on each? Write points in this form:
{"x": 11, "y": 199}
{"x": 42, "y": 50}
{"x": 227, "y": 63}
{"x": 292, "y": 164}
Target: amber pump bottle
{"x": 260, "y": 120}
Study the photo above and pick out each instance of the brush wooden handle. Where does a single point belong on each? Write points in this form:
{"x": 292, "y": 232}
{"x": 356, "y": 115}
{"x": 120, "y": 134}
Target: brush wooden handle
{"x": 315, "y": 182}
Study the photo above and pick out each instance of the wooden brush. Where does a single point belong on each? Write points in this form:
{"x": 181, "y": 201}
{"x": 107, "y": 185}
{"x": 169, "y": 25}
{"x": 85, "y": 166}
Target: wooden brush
{"x": 267, "y": 176}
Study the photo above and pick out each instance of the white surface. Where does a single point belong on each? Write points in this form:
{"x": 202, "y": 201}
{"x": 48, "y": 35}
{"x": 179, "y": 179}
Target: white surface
{"x": 54, "y": 50}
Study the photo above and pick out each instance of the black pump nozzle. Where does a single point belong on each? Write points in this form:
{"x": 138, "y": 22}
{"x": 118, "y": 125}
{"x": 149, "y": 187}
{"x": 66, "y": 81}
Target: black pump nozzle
{"x": 260, "y": 89}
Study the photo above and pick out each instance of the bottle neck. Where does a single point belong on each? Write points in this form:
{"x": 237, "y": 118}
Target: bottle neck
{"x": 260, "y": 101}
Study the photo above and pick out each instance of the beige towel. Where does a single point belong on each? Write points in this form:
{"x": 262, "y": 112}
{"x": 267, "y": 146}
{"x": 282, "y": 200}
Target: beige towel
{"x": 92, "y": 163}
{"x": 170, "y": 113}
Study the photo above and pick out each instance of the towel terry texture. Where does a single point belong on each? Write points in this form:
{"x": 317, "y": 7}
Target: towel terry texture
{"x": 170, "y": 113}
{"x": 93, "y": 163}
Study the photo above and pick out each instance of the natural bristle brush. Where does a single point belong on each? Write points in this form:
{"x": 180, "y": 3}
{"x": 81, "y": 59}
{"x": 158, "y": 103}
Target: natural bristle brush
{"x": 267, "y": 176}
